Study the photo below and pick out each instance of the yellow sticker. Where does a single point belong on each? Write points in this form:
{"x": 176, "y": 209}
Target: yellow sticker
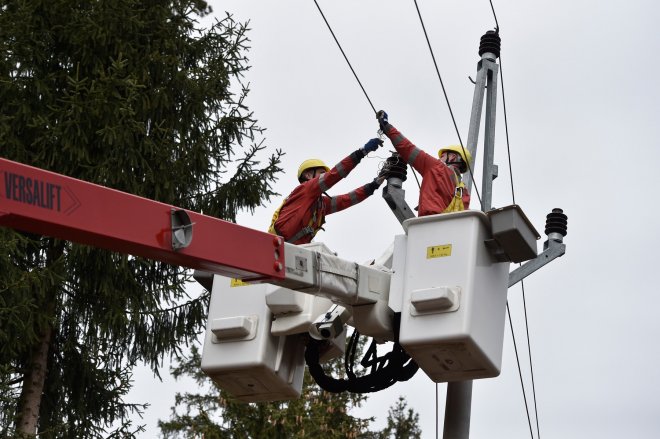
{"x": 238, "y": 283}
{"x": 438, "y": 251}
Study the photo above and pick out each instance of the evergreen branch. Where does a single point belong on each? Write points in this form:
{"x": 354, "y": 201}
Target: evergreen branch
{"x": 189, "y": 303}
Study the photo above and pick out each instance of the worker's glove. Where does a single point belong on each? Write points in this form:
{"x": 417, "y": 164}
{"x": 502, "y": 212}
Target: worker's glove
{"x": 384, "y": 172}
{"x": 372, "y": 146}
{"x": 382, "y": 119}
{"x": 371, "y": 187}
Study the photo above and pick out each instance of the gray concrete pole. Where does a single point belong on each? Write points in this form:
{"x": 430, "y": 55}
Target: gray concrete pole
{"x": 459, "y": 393}
{"x": 457, "y": 410}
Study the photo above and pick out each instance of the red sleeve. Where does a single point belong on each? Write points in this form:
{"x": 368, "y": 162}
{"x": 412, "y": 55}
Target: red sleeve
{"x": 341, "y": 202}
{"x": 339, "y": 171}
{"x": 412, "y": 155}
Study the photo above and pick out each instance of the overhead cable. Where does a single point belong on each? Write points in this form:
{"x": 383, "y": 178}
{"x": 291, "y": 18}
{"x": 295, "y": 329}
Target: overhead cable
{"x": 531, "y": 369}
{"x": 353, "y": 70}
{"x": 515, "y": 348}
{"x": 497, "y": 26}
{"x": 522, "y": 283}
{"x": 345, "y": 57}
{"x": 442, "y": 84}
{"x": 513, "y": 198}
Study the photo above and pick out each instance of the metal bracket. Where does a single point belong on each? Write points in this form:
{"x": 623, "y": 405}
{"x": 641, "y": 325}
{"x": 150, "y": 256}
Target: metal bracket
{"x": 394, "y": 195}
{"x": 182, "y": 229}
{"x": 554, "y": 249}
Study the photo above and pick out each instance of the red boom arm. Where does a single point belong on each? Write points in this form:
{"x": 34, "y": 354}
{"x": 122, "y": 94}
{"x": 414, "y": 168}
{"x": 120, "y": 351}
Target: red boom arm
{"x": 43, "y": 202}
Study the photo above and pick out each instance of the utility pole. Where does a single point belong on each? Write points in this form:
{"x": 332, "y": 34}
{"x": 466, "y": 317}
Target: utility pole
{"x": 459, "y": 393}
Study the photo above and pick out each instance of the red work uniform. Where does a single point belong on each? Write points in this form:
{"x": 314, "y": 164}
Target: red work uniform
{"x": 439, "y": 181}
{"x": 303, "y": 212}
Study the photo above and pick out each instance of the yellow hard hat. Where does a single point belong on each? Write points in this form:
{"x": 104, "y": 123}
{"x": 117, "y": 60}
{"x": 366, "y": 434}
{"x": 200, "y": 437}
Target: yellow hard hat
{"x": 310, "y": 164}
{"x": 458, "y": 149}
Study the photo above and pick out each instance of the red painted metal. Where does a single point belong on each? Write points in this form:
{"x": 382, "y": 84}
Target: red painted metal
{"x": 43, "y": 202}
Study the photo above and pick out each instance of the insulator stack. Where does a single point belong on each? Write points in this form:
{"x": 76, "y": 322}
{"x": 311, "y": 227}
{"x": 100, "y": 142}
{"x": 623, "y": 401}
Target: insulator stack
{"x": 490, "y": 42}
{"x": 556, "y": 222}
{"x": 396, "y": 167}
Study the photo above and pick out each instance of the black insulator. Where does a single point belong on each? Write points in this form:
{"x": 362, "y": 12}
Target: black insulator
{"x": 396, "y": 167}
{"x": 556, "y": 222}
{"x": 490, "y": 42}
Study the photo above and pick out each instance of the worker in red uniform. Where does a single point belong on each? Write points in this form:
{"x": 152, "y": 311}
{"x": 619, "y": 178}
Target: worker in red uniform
{"x": 303, "y": 212}
{"x": 442, "y": 190}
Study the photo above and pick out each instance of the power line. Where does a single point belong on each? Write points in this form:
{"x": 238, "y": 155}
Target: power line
{"x": 513, "y": 197}
{"x": 515, "y": 349}
{"x": 497, "y": 26}
{"x": 506, "y": 131}
{"x": 356, "y": 76}
{"x": 444, "y": 91}
{"x": 531, "y": 369}
{"x": 435, "y": 64}
{"x": 345, "y": 57}
{"x": 478, "y": 195}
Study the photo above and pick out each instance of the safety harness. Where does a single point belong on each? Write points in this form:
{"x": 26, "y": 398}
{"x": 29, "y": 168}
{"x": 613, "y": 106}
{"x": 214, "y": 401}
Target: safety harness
{"x": 315, "y": 223}
{"x": 456, "y": 204}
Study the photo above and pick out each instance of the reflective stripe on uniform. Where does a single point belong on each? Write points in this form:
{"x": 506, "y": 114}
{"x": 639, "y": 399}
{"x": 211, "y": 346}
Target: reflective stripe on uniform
{"x": 398, "y": 139}
{"x": 340, "y": 169}
{"x": 333, "y": 204}
{"x": 413, "y": 155}
{"x": 322, "y": 184}
{"x": 353, "y": 196}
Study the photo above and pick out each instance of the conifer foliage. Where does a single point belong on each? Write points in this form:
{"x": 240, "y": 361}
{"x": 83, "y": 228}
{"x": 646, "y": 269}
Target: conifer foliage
{"x": 213, "y": 413}
{"x": 135, "y": 95}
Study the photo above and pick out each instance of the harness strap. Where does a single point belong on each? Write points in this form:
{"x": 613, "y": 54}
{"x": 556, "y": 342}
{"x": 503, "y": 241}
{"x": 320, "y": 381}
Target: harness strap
{"x": 313, "y": 226}
{"x": 307, "y": 230}
{"x": 456, "y": 204}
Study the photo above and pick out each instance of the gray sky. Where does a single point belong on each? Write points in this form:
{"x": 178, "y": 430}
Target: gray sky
{"x": 583, "y": 135}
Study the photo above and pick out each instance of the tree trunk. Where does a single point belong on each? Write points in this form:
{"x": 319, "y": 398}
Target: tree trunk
{"x": 33, "y": 386}
{"x": 27, "y": 419}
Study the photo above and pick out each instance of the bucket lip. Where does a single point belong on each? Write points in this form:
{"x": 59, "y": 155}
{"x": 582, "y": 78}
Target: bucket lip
{"x": 447, "y": 217}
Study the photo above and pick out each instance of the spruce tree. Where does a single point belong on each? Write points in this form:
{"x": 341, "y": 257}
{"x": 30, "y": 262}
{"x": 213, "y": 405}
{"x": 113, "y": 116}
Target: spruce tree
{"x": 137, "y": 96}
{"x": 212, "y": 413}
{"x": 402, "y": 422}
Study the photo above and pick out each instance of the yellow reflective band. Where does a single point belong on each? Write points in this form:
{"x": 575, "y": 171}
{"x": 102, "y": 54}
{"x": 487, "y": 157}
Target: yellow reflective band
{"x": 438, "y": 251}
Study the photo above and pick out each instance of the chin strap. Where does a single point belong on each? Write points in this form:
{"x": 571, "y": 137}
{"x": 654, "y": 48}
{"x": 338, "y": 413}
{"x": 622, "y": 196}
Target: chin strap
{"x": 460, "y": 165}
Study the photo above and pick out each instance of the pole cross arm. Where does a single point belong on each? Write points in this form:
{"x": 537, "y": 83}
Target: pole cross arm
{"x": 555, "y": 249}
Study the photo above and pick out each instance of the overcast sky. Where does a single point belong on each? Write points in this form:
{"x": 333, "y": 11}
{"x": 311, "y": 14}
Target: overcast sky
{"x": 582, "y": 114}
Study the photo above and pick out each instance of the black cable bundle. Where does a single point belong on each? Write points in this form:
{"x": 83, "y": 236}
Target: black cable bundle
{"x": 392, "y": 367}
